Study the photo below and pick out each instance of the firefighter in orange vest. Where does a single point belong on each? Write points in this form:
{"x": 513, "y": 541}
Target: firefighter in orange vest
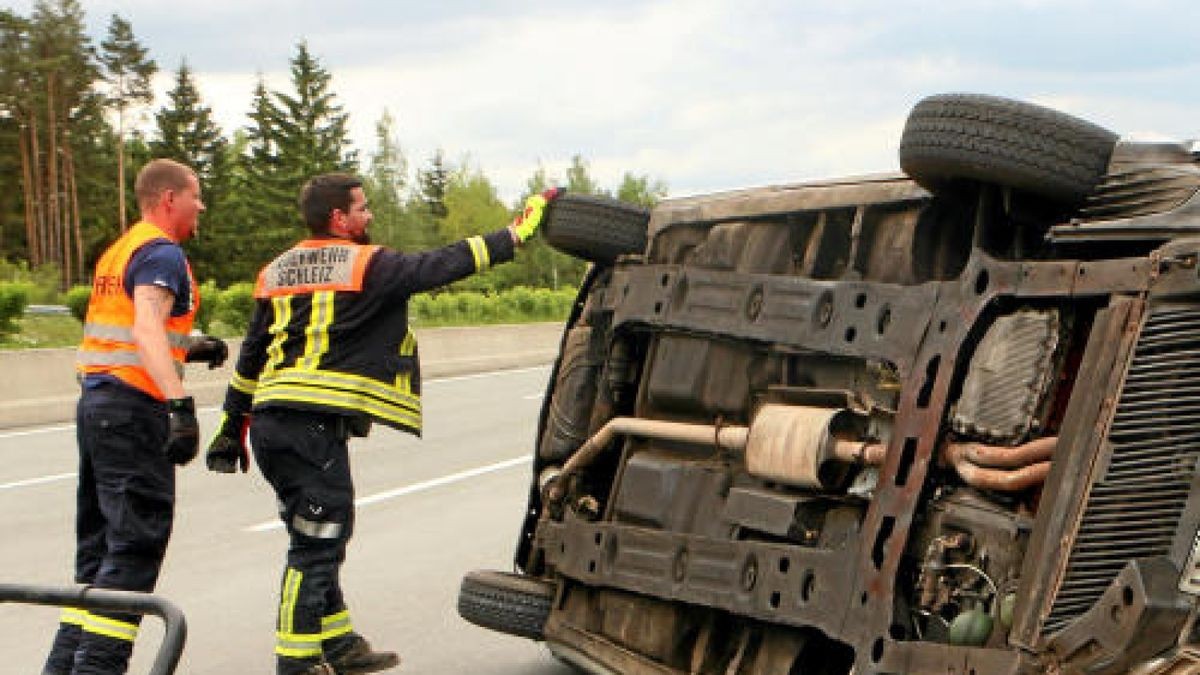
{"x": 134, "y": 420}
{"x": 327, "y": 353}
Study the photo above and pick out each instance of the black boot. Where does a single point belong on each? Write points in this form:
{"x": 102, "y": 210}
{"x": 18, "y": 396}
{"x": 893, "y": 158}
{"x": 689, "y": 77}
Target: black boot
{"x": 359, "y": 658}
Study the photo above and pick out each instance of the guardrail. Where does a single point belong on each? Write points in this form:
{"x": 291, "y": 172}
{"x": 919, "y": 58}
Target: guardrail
{"x": 40, "y": 385}
{"x": 128, "y": 602}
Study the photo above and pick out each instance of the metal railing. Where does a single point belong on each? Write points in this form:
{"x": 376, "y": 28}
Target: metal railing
{"x": 86, "y": 597}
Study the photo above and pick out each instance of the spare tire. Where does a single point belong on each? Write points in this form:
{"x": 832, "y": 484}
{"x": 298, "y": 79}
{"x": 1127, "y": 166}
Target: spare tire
{"x": 596, "y": 229}
{"x": 510, "y": 603}
{"x": 952, "y": 138}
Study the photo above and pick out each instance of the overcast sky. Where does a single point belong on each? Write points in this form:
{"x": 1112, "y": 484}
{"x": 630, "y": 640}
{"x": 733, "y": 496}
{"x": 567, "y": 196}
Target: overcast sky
{"x": 704, "y": 95}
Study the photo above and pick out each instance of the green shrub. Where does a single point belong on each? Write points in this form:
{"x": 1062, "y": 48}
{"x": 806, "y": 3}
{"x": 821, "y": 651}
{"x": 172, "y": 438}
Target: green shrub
{"x": 515, "y": 305}
{"x": 234, "y": 306}
{"x": 76, "y": 299}
{"x": 14, "y": 297}
{"x": 210, "y": 297}
{"x": 41, "y": 283}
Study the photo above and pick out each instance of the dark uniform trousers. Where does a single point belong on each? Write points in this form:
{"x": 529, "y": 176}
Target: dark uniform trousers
{"x": 125, "y": 506}
{"x": 304, "y": 457}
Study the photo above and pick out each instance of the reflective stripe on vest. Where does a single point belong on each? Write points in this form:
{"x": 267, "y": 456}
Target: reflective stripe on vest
{"x": 108, "y": 346}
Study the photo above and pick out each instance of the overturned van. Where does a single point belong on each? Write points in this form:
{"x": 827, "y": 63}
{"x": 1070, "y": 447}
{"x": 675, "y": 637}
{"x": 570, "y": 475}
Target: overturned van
{"x": 944, "y": 421}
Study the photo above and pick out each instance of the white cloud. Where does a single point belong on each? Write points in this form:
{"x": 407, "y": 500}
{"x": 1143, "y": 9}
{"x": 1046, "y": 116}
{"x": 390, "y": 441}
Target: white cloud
{"x": 713, "y": 94}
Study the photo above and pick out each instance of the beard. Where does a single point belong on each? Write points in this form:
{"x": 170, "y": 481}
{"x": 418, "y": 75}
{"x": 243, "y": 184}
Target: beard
{"x": 363, "y": 238}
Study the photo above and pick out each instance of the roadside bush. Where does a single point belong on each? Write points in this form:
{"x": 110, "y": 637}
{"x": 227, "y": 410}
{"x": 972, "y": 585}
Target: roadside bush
{"x": 76, "y": 299}
{"x": 234, "y": 307}
{"x": 14, "y": 297}
{"x": 41, "y": 283}
{"x": 515, "y": 305}
{"x": 210, "y": 297}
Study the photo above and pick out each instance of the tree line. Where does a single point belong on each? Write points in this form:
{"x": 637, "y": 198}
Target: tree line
{"x": 69, "y": 152}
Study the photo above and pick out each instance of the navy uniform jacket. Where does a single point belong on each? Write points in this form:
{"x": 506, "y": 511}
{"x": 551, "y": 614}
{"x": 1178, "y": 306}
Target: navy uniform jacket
{"x": 330, "y": 330}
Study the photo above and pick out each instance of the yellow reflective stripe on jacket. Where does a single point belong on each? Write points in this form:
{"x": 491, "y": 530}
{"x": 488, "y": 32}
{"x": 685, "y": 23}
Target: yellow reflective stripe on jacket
{"x": 350, "y": 401}
{"x": 334, "y": 379}
{"x": 479, "y": 251}
{"x": 336, "y": 625}
{"x": 316, "y": 341}
{"x": 74, "y": 616}
{"x": 118, "y": 630}
{"x": 243, "y": 384}
{"x": 408, "y": 346}
{"x": 282, "y": 307}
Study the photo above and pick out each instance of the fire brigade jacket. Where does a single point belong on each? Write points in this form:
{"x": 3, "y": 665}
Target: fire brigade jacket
{"x": 330, "y": 330}
{"x": 108, "y": 347}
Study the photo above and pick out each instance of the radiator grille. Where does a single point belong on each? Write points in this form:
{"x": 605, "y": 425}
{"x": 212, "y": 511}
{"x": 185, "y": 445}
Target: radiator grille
{"x": 1138, "y": 192}
{"x": 1134, "y": 508}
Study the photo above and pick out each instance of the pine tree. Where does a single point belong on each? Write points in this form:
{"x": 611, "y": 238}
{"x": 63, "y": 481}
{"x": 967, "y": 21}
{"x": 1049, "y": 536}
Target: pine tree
{"x": 262, "y": 201}
{"x": 579, "y": 178}
{"x": 311, "y": 129}
{"x": 384, "y": 184}
{"x": 432, "y": 183}
{"x": 64, "y": 74}
{"x": 187, "y": 133}
{"x": 128, "y": 70}
{"x": 16, "y": 109}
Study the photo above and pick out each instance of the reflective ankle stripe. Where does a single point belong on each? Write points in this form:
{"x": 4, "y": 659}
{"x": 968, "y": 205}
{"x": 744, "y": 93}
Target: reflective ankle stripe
{"x": 117, "y": 630}
{"x": 298, "y": 645}
{"x": 336, "y": 625}
{"x": 73, "y": 616}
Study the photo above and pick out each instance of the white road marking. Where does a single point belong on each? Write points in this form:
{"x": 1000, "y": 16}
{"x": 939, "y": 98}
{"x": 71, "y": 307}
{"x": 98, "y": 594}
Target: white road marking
{"x": 38, "y": 481}
{"x": 412, "y": 489}
{"x": 39, "y": 430}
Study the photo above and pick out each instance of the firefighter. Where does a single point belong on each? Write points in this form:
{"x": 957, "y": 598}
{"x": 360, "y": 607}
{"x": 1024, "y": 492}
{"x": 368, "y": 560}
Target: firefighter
{"x": 328, "y": 352}
{"x": 134, "y": 420}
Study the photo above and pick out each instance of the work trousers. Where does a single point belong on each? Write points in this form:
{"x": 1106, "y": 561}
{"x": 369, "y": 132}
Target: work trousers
{"x": 303, "y": 456}
{"x": 125, "y": 505}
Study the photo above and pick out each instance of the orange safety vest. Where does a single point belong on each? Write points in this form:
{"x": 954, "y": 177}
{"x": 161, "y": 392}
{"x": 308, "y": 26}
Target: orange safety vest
{"x": 108, "y": 347}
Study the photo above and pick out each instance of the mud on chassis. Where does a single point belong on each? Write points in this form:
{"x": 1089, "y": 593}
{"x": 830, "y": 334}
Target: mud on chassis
{"x": 946, "y": 421}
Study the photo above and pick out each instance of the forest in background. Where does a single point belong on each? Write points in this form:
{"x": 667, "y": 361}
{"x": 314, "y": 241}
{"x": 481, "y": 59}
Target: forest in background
{"x": 69, "y": 152}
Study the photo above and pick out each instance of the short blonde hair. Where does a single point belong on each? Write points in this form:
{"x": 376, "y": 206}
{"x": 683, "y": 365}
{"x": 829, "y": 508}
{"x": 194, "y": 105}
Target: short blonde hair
{"x": 158, "y": 176}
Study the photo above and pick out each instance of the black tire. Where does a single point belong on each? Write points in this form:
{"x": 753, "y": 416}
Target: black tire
{"x": 596, "y": 229}
{"x": 509, "y": 603}
{"x": 950, "y": 138}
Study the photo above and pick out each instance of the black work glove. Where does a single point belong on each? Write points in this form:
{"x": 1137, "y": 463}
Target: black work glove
{"x": 183, "y": 434}
{"x": 228, "y": 450}
{"x": 207, "y": 349}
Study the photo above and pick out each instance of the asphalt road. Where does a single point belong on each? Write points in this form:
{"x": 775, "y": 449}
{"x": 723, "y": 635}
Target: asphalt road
{"x": 429, "y": 510}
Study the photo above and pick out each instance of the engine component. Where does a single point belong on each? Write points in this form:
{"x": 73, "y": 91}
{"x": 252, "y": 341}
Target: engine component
{"x": 1010, "y": 378}
{"x": 1003, "y": 469}
{"x": 795, "y": 445}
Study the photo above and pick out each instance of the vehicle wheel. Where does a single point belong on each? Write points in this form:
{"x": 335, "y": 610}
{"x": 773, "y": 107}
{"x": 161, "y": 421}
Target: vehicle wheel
{"x": 509, "y": 603}
{"x": 596, "y": 229}
{"x": 952, "y": 137}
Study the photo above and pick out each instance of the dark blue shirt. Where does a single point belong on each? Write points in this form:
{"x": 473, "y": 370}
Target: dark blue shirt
{"x": 161, "y": 263}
